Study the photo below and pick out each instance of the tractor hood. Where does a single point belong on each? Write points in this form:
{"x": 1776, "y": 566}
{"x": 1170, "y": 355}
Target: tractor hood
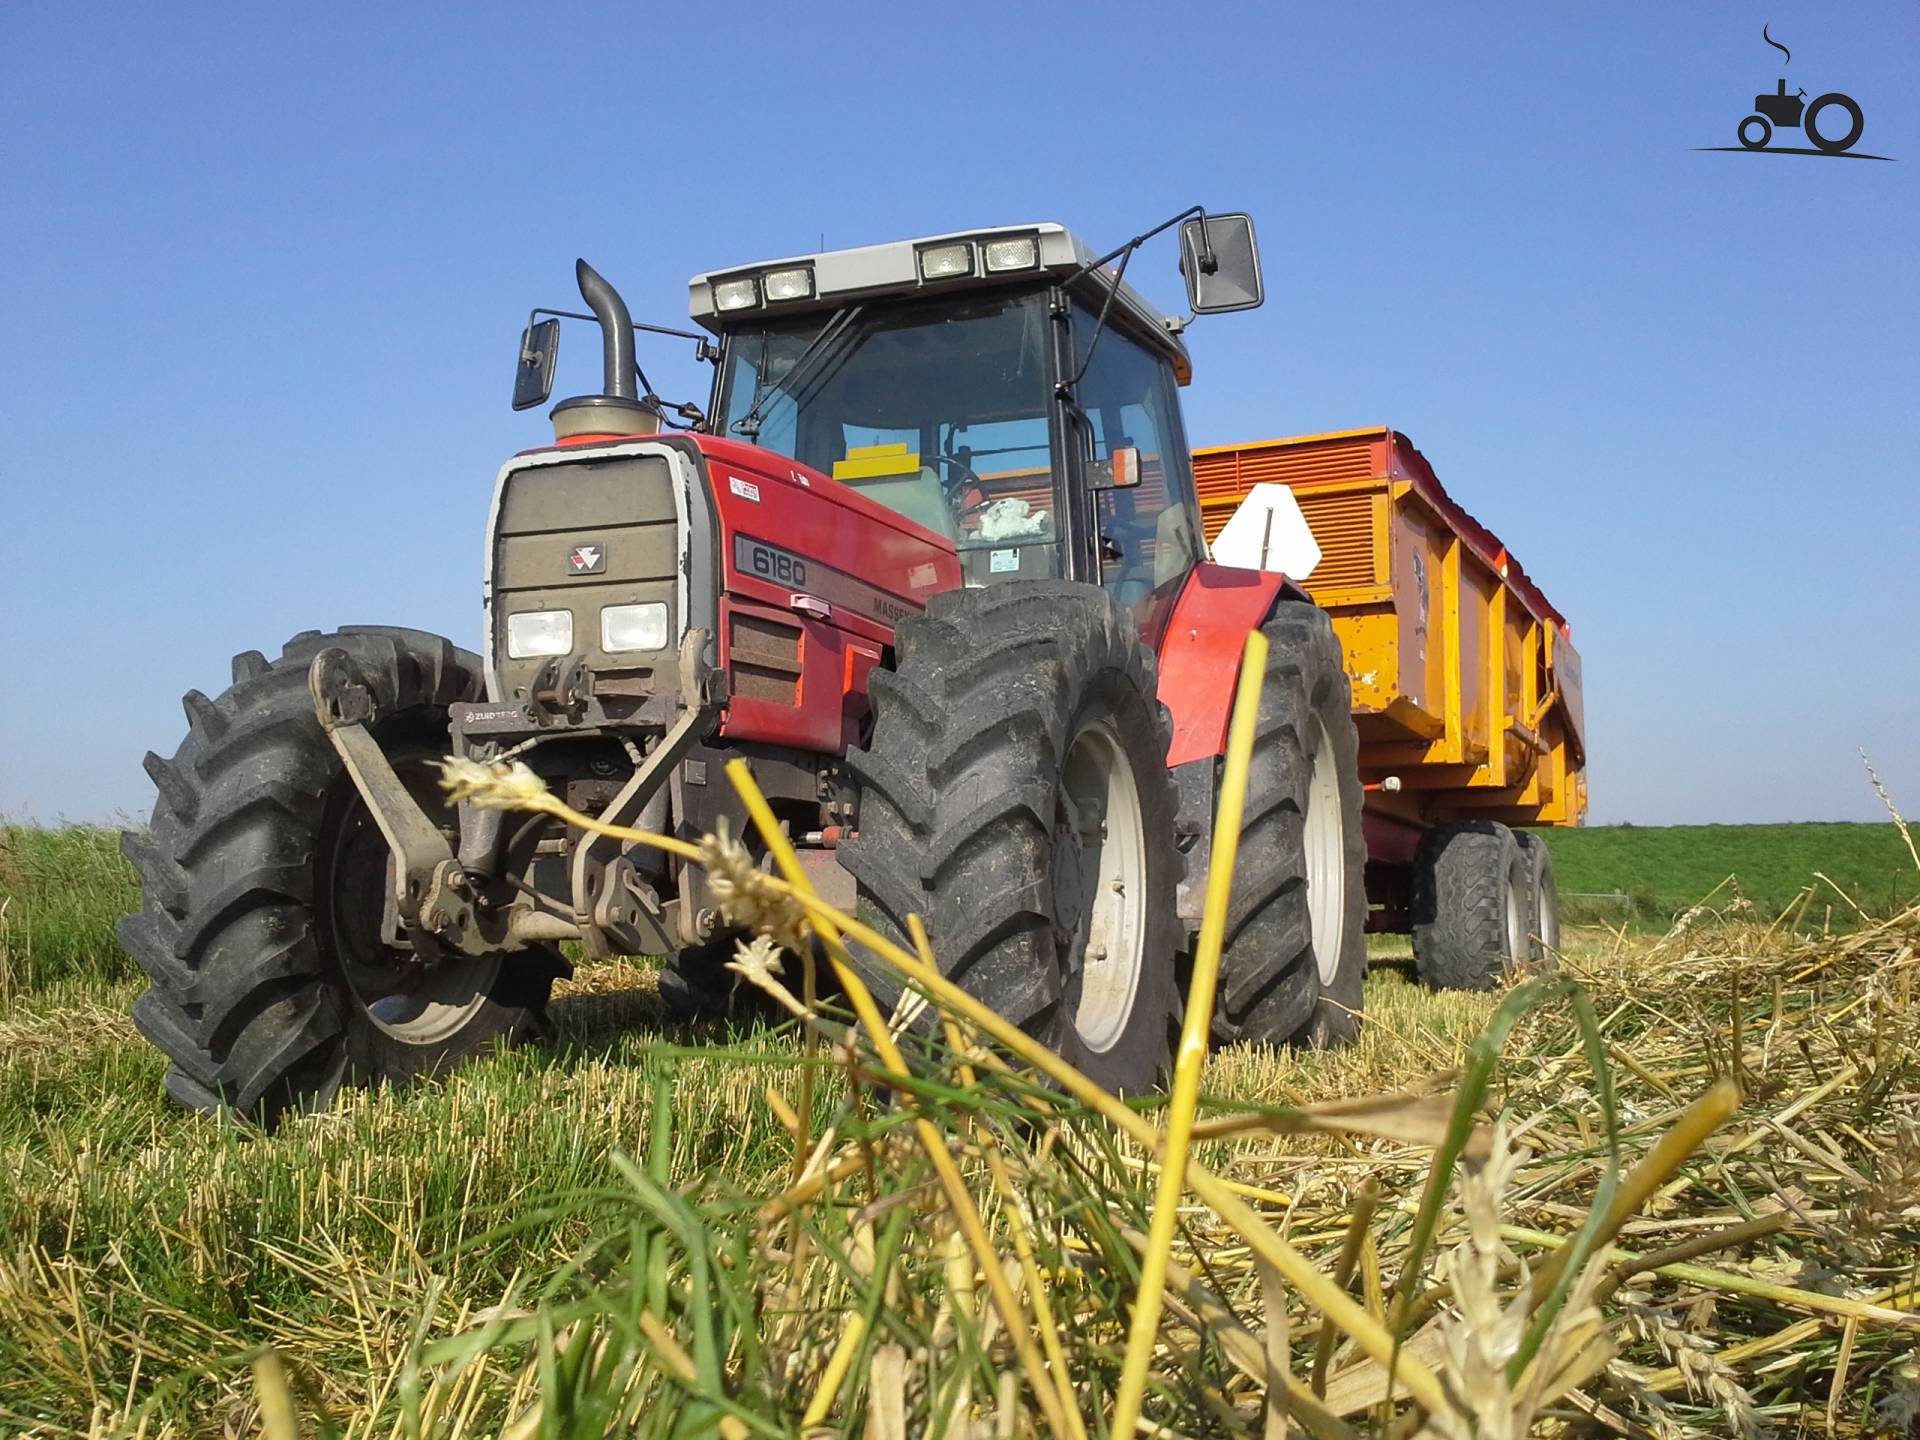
{"x": 601, "y": 556}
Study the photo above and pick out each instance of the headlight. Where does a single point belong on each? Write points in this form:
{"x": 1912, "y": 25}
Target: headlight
{"x": 736, "y": 294}
{"x": 788, "y": 284}
{"x": 539, "y": 632}
{"x": 634, "y": 627}
{"x": 1022, "y": 252}
{"x": 943, "y": 262}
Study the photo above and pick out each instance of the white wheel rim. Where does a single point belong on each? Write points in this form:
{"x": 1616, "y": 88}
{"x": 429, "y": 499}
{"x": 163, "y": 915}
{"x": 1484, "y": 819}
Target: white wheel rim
{"x": 1100, "y": 788}
{"x": 1325, "y": 840}
{"x": 1549, "y": 916}
{"x": 1516, "y": 923}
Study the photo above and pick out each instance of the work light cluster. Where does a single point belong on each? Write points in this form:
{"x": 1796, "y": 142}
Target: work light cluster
{"x": 943, "y": 260}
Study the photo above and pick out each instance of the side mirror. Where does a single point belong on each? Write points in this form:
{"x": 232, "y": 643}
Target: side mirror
{"x": 539, "y": 353}
{"x": 1119, "y": 471}
{"x": 1221, "y": 262}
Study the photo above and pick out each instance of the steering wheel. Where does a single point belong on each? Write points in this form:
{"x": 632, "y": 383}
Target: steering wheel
{"x": 952, "y": 488}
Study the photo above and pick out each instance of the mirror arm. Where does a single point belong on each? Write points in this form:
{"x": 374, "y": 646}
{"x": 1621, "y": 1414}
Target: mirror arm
{"x": 703, "y": 348}
{"x": 1125, "y": 253}
{"x": 1139, "y": 240}
{"x": 1099, "y": 327}
{"x": 633, "y": 324}
{"x": 1208, "y": 264}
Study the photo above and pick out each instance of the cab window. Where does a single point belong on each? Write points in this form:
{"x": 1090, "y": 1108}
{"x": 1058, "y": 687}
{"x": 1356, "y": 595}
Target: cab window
{"x": 1148, "y": 533}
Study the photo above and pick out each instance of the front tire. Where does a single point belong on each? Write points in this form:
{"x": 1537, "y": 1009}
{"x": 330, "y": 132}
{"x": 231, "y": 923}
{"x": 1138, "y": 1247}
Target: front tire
{"x": 1016, "y": 797}
{"x": 1472, "y": 905}
{"x": 1294, "y": 964}
{"x": 263, "y": 877}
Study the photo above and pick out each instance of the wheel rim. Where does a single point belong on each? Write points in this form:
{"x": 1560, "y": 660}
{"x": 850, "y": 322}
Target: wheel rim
{"x": 1325, "y": 839}
{"x": 1516, "y": 922}
{"x": 1107, "y": 838}
{"x": 1549, "y": 915}
{"x": 416, "y": 1003}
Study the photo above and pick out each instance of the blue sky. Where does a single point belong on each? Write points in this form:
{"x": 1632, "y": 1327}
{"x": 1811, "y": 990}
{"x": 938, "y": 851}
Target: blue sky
{"x": 265, "y": 266}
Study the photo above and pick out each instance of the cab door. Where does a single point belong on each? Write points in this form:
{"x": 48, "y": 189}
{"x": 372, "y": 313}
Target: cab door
{"x": 1147, "y": 536}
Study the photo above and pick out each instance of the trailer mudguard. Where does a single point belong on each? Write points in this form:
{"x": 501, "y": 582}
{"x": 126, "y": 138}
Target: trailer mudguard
{"x": 1200, "y": 651}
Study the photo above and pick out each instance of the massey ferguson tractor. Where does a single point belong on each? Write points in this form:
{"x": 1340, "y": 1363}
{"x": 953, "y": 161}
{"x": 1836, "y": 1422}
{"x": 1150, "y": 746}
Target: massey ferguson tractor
{"x": 933, "y": 561}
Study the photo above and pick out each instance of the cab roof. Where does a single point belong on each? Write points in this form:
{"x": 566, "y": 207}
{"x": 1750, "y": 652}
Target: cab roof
{"x": 894, "y": 269}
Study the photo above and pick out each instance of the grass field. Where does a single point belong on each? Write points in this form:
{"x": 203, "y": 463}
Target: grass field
{"x": 1662, "y": 870}
{"x": 147, "y": 1256}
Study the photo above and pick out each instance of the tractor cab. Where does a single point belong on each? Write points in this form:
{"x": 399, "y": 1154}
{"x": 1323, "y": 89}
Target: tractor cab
{"x": 1003, "y": 389}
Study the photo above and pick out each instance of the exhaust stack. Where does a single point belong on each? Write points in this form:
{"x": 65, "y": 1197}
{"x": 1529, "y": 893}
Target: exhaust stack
{"x": 618, "y": 409}
{"x": 616, "y": 332}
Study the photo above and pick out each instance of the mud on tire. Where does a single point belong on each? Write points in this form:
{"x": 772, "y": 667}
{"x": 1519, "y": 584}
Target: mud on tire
{"x": 1005, "y": 704}
{"x": 1295, "y": 961}
{"x": 262, "y": 880}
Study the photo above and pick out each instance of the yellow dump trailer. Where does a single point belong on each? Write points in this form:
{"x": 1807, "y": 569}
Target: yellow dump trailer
{"x": 1466, "y": 685}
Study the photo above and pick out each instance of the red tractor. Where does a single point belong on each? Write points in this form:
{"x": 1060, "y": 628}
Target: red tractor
{"x": 932, "y": 561}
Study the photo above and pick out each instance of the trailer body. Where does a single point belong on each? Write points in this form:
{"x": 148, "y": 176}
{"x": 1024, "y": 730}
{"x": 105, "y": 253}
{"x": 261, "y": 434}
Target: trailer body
{"x": 1466, "y": 683}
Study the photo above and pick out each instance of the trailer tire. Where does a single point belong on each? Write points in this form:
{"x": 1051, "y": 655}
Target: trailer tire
{"x": 1015, "y": 795}
{"x": 1472, "y": 905}
{"x": 1294, "y": 962}
{"x": 262, "y": 879}
{"x": 1544, "y": 934}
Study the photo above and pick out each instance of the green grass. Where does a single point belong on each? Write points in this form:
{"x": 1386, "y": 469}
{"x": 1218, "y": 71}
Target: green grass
{"x": 1664, "y": 870}
{"x": 60, "y": 893}
{"x": 141, "y": 1244}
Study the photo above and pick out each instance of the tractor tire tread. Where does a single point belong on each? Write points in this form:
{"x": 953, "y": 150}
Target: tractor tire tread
{"x": 1460, "y": 880}
{"x": 243, "y": 1002}
{"x": 958, "y": 792}
{"x": 1270, "y": 990}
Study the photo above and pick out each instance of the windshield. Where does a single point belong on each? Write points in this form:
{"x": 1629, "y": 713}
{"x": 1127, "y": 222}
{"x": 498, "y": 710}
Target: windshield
{"x": 938, "y": 411}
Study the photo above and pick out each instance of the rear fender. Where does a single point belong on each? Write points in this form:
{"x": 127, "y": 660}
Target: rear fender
{"x": 1200, "y": 651}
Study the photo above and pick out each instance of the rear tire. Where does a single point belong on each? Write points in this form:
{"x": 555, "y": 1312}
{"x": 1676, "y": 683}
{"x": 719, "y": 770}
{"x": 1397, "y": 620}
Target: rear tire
{"x": 1544, "y": 893}
{"x": 1294, "y": 964}
{"x": 1472, "y": 906}
{"x": 1016, "y": 797}
{"x": 263, "y": 877}
{"x": 1856, "y": 122}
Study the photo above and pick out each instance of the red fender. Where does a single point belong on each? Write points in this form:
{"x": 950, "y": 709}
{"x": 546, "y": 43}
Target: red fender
{"x": 1200, "y": 651}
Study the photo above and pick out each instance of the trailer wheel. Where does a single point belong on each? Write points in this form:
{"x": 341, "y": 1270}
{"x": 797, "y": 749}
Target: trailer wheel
{"x": 1295, "y": 958}
{"x": 1472, "y": 905}
{"x": 1016, "y": 797}
{"x": 1544, "y": 934}
{"x": 263, "y": 879}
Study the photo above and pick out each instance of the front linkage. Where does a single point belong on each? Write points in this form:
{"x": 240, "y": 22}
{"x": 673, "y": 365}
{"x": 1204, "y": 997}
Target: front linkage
{"x": 465, "y": 901}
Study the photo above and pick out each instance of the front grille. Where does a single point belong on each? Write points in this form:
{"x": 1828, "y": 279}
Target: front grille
{"x": 617, "y": 513}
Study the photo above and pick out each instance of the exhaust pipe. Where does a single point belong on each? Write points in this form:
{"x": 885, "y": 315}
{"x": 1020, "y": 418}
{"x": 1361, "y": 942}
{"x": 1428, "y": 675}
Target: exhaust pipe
{"x": 618, "y": 410}
{"x": 616, "y": 332}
